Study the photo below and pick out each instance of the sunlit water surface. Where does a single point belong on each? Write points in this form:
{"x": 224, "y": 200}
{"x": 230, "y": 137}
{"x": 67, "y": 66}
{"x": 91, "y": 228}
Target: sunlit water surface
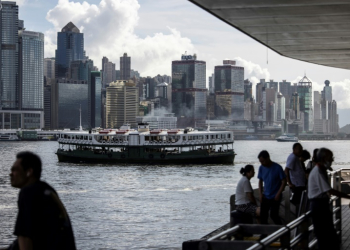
{"x": 142, "y": 207}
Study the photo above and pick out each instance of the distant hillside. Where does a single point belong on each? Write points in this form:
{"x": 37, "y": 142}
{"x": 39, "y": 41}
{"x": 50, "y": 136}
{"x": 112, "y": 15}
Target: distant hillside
{"x": 345, "y": 129}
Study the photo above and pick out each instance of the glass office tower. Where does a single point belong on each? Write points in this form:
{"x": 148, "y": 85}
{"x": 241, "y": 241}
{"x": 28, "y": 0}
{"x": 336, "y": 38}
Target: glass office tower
{"x": 304, "y": 89}
{"x": 95, "y": 99}
{"x": 9, "y": 56}
{"x": 31, "y": 67}
{"x": 229, "y": 92}
{"x": 70, "y": 47}
{"x": 189, "y": 91}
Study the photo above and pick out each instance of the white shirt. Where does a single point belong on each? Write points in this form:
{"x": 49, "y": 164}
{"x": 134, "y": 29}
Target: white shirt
{"x": 318, "y": 185}
{"x": 296, "y": 171}
{"x": 243, "y": 187}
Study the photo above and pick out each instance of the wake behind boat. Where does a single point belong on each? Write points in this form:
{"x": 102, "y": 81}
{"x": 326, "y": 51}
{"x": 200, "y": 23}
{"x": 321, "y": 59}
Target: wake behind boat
{"x": 145, "y": 146}
{"x": 287, "y": 138}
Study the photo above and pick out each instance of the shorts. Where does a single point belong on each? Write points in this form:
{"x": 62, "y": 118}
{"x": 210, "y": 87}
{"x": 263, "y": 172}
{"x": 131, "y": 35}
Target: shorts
{"x": 248, "y": 208}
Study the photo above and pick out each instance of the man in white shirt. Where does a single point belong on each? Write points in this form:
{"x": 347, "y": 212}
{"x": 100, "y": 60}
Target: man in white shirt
{"x": 295, "y": 173}
{"x": 318, "y": 193}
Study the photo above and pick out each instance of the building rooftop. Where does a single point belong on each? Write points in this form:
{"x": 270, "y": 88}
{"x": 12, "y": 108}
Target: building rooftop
{"x": 70, "y": 27}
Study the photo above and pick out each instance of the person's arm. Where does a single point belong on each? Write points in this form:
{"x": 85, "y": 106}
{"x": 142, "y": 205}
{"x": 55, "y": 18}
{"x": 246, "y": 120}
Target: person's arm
{"x": 25, "y": 243}
{"x": 338, "y": 193}
{"x": 261, "y": 188}
{"x": 291, "y": 185}
{"x": 251, "y": 197}
{"x": 278, "y": 195}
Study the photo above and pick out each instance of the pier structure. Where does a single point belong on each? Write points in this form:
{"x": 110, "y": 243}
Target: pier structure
{"x": 296, "y": 233}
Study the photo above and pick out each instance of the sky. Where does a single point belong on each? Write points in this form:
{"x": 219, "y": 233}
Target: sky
{"x": 155, "y": 32}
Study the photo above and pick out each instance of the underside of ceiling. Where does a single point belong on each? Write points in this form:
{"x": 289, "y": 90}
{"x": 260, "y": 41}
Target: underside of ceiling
{"x": 315, "y": 31}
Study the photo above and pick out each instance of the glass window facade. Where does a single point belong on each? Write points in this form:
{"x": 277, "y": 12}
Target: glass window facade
{"x": 229, "y": 92}
{"x": 189, "y": 91}
{"x": 95, "y": 99}
{"x": 70, "y": 47}
{"x": 9, "y": 56}
{"x": 32, "y": 70}
{"x": 304, "y": 90}
{"x": 70, "y": 97}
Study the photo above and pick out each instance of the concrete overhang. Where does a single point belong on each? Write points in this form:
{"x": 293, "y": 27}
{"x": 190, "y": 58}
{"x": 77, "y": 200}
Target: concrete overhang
{"x": 314, "y": 31}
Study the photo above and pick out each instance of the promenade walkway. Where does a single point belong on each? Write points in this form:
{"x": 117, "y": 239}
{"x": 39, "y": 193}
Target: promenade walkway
{"x": 345, "y": 226}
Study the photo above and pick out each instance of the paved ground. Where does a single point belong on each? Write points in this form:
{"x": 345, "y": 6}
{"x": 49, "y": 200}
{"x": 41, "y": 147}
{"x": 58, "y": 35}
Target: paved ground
{"x": 345, "y": 227}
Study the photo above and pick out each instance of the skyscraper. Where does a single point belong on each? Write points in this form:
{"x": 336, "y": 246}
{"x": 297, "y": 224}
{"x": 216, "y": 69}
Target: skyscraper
{"x": 109, "y": 74}
{"x": 95, "y": 101}
{"x": 122, "y": 104}
{"x": 70, "y": 47}
{"x": 189, "y": 88}
{"x": 125, "y": 67}
{"x": 31, "y": 70}
{"x": 286, "y": 90}
{"x": 80, "y": 70}
{"x": 248, "y": 89}
{"x": 49, "y": 68}
{"x": 9, "y": 56}
{"x": 281, "y": 107}
{"x": 211, "y": 84}
{"x": 229, "y": 91}
{"x": 304, "y": 89}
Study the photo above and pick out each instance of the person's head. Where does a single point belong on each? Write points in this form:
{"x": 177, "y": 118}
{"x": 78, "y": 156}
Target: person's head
{"x": 325, "y": 157}
{"x": 248, "y": 171}
{"x": 305, "y": 155}
{"x": 26, "y": 169}
{"x": 314, "y": 155}
{"x": 297, "y": 149}
{"x": 264, "y": 158}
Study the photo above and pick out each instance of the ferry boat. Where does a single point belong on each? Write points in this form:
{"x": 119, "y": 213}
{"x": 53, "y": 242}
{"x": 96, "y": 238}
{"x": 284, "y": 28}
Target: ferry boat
{"x": 9, "y": 135}
{"x": 145, "y": 146}
{"x": 287, "y": 138}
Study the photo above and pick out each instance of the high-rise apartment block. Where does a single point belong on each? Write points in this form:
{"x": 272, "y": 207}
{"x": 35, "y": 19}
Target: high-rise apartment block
{"x": 211, "y": 84}
{"x": 229, "y": 91}
{"x": 70, "y": 47}
{"x": 281, "y": 107}
{"x": 125, "y": 67}
{"x": 108, "y": 72}
{"x": 285, "y": 88}
{"x": 122, "y": 104}
{"x": 189, "y": 89}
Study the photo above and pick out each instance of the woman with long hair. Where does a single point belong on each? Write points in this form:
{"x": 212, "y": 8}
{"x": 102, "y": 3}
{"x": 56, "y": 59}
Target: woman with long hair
{"x": 245, "y": 200}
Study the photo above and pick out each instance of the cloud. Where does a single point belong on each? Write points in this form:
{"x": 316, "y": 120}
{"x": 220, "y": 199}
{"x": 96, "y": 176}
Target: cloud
{"x": 108, "y": 29}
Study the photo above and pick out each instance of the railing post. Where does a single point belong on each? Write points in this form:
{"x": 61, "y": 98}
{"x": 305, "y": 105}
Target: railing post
{"x": 304, "y": 229}
{"x": 338, "y": 215}
{"x": 287, "y": 204}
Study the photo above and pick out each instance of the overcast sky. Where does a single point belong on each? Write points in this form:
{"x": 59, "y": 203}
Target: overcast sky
{"x": 155, "y": 32}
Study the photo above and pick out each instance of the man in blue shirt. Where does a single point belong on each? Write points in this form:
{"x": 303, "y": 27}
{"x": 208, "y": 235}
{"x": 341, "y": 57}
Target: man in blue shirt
{"x": 272, "y": 181}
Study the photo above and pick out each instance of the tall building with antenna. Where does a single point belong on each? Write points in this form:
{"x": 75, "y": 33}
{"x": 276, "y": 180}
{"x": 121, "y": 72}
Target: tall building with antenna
{"x": 304, "y": 90}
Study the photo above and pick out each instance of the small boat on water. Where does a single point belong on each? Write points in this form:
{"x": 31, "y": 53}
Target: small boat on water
{"x": 145, "y": 146}
{"x": 287, "y": 138}
{"x": 9, "y": 135}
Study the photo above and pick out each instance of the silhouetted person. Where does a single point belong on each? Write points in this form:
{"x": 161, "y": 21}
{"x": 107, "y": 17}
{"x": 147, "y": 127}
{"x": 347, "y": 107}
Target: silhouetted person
{"x": 296, "y": 175}
{"x": 42, "y": 221}
{"x": 319, "y": 191}
{"x": 272, "y": 181}
{"x": 311, "y": 164}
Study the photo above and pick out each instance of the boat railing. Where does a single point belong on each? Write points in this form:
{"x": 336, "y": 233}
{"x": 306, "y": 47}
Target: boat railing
{"x": 297, "y": 234}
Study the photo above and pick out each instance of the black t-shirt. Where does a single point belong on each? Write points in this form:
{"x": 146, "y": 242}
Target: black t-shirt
{"x": 43, "y": 218}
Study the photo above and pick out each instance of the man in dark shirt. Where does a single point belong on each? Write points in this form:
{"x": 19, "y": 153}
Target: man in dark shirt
{"x": 272, "y": 181}
{"x": 42, "y": 221}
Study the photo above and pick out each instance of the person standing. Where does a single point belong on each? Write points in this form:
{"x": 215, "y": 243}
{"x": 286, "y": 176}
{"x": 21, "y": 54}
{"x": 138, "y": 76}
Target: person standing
{"x": 272, "y": 181}
{"x": 245, "y": 200}
{"x": 318, "y": 194}
{"x": 295, "y": 173}
{"x": 42, "y": 221}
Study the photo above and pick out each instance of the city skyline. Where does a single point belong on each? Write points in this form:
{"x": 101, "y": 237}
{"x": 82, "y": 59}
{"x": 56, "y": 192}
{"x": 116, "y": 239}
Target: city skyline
{"x": 153, "y": 41}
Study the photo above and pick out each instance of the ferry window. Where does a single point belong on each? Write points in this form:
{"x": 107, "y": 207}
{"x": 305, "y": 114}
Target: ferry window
{"x": 146, "y": 138}
{"x": 207, "y": 137}
{"x": 212, "y": 136}
{"x": 190, "y": 138}
{"x": 89, "y": 138}
{"x": 184, "y": 138}
{"x": 217, "y": 136}
{"x": 229, "y": 136}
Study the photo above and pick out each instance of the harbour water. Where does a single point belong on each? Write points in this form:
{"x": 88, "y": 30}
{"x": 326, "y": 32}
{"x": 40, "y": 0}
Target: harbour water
{"x": 143, "y": 207}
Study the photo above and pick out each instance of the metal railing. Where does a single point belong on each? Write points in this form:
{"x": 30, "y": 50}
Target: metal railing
{"x": 281, "y": 236}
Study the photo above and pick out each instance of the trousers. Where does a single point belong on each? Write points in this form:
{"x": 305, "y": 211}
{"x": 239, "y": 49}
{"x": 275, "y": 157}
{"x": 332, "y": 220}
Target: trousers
{"x": 322, "y": 219}
{"x": 270, "y": 206}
